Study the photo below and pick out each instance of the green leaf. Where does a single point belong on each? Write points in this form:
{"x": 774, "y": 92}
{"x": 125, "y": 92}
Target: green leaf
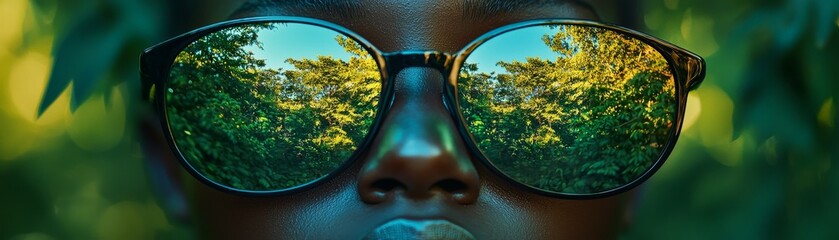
{"x": 83, "y": 58}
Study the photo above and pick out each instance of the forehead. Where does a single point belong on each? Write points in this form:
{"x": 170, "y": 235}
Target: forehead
{"x": 445, "y": 25}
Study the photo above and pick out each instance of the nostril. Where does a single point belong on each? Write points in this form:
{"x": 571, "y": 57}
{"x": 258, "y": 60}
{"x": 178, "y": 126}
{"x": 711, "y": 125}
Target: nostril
{"x": 450, "y": 185}
{"x": 387, "y": 185}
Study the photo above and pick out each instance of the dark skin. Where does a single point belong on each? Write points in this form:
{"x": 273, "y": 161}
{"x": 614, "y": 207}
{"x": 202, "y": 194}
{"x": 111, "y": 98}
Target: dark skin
{"x": 418, "y": 149}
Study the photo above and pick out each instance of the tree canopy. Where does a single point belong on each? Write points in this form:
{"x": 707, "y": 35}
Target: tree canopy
{"x": 594, "y": 118}
{"x": 249, "y": 126}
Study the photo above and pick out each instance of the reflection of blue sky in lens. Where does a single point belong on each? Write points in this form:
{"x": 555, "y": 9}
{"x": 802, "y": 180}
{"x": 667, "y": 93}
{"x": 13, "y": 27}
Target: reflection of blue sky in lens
{"x": 514, "y": 45}
{"x": 294, "y": 40}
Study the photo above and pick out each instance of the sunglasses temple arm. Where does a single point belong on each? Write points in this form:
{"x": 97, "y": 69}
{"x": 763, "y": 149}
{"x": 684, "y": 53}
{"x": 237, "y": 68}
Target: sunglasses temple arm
{"x": 690, "y": 67}
{"x": 695, "y": 72}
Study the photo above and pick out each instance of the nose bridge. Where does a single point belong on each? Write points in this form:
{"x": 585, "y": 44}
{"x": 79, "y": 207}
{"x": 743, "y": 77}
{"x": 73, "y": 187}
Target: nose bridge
{"x": 418, "y": 151}
{"x": 397, "y": 61}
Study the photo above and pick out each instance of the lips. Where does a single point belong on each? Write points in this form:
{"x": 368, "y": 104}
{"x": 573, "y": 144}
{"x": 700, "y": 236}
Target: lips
{"x": 419, "y": 229}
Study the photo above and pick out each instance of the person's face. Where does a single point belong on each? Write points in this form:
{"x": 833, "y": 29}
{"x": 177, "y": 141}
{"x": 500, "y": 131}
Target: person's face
{"x": 409, "y": 182}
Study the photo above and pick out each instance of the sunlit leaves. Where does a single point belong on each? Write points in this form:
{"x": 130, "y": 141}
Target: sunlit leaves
{"x": 248, "y": 126}
{"x": 594, "y": 118}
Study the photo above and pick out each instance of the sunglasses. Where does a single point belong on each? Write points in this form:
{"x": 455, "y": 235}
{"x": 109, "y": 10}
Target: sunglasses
{"x": 275, "y": 105}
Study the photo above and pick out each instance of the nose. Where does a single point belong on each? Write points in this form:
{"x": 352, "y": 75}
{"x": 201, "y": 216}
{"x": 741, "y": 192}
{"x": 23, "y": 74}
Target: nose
{"x": 418, "y": 153}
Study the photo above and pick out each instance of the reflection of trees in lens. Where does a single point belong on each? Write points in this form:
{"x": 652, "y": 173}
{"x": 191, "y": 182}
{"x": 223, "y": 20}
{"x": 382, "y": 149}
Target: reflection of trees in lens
{"x": 593, "y": 119}
{"x": 250, "y": 127}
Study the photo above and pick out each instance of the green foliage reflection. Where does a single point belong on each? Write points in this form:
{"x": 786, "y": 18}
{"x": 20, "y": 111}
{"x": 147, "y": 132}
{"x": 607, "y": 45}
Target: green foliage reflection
{"x": 248, "y": 126}
{"x": 595, "y": 118}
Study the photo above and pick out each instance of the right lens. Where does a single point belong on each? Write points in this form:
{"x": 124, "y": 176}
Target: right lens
{"x": 271, "y": 106}
{"x": 571, "y": 109}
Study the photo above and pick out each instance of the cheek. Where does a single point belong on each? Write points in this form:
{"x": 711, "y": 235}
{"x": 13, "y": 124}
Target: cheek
{"x": 511, "y": 210}
{"x": 308, "y": 214}
{"x": 541, "y": 217}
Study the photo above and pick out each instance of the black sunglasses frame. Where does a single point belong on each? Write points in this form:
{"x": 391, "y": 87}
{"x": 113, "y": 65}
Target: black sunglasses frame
{"x": 155, "y": 63}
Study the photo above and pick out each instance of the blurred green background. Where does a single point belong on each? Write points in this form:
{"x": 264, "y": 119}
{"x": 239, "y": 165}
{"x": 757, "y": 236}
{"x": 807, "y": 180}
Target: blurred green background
{"x": 754, "y": 160}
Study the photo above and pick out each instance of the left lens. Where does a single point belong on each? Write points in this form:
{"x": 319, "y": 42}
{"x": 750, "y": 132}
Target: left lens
{"x": 570, "y": 109}
{"x": 271, "y": 106}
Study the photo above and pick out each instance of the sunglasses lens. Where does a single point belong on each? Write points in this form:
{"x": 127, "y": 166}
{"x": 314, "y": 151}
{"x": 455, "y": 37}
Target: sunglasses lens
{"x": 569, "y": 109}
{"x": 271, "y": 106}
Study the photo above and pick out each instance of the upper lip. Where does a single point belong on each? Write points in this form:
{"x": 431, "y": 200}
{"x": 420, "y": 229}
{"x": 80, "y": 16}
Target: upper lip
{"x": 402, "y": 228}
